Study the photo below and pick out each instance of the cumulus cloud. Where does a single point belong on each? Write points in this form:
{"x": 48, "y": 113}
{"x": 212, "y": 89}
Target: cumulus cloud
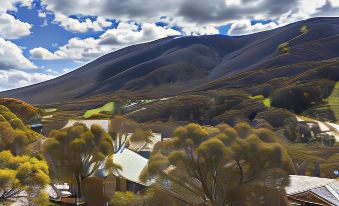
{"x": 198, "y": 16}
{"x": 42, "y": 53}
{"x": 127, "y": 33}
{"x": 15, "y": 78}
{"x": 87, "y": 49}
{"x": 245, "y": 27}
{"x": 11, "y": 5}
{"x": 12, "y": 28}
{"x": 76, "y": 49}
{"x": 11, "y": 57}
{"x": 72, "y": 24}
{"x": 42, "y": 14}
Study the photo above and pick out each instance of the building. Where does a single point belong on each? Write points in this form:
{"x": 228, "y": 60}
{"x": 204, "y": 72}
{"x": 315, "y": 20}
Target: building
{"x": 126, "y": 179}
{"x": 105, "y": 123}
{"x": 141, "y": 147}
{"x": 144, "y": 148}
{"x": 313, "y": 191}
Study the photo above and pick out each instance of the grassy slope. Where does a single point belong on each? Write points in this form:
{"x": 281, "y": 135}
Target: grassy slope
{"x": 109, "y": 108}
{"x": 262, "y": 99}
{"x": 333, "y": 101}
{"x": 329, "y": 110}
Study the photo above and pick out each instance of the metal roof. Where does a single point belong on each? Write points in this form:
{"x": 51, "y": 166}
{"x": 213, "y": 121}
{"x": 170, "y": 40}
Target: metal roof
{"x": 132, "y": 165}
{"x": 103, "y": 123}
{"x": 327, "y": 189}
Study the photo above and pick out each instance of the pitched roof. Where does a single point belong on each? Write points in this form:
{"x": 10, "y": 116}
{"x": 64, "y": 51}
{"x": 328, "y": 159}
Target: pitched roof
{"x": 132, "y": 165}
{"x": 103, "y": 123}
{"x": 300, "y": 184}
{"x": 328, "y": 192}
{"x": 327, "y": 189}
{"x": 142, "y": 145}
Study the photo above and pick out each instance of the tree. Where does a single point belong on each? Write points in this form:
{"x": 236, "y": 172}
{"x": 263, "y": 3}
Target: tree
{"x": 14, "y": 134}
{"x": 144, "y": 137}
{"x": 120, "y": 129}
{"x": 76, "y": 152}
{"x": 24, "y": 111}
{"x": 284, "y": 48}
{"x": 221, "y": 166}
{"x": 304, "y": 29}
{"x": 22, "y": 177}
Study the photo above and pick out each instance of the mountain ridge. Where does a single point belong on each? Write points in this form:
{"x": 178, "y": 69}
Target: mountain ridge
{"x": 187, "y": 63}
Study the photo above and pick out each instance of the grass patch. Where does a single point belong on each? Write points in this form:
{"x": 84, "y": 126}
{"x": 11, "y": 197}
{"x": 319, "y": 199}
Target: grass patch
{"x": 108, "y": 108}
{"x": 262, "y": 99}
{"x": 328, "y": 110}
{"x": 49, "y": 110}
{"x": 333, "y": 101}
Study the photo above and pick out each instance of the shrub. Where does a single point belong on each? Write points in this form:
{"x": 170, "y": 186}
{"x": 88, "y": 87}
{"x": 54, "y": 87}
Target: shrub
{"x": 304, "y": 29}
{"x": 298, "y": 98}
{"x": 284, "y": 48}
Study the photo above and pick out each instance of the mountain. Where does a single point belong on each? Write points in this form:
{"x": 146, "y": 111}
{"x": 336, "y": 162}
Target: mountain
{"x": 176, "y": 65}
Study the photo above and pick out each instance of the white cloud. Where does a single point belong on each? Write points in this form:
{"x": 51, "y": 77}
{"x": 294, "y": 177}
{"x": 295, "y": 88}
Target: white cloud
{"x": 198, "y": 16}
{"x": 11, "y": 28}
{"x": 52, "y": 72}
{"x": 191, "y": 28}
{"x": 42, "y": 53}
{"x": 334, "y": 3}
{"x": 127, "y": 34}
{"x": 44, "y": 24}
{"x": 245, "y": 27}
{"x": 15, "y": 78}
{"x": 67, "y": 70}
{"x": 42, "y": 14}
{"x": 87, "y": 49}
{"x": 10, "y": 5}
{"x": 76, "y": 49}
{"x": 11, "y": 57}
{"x": 75, "y": 25}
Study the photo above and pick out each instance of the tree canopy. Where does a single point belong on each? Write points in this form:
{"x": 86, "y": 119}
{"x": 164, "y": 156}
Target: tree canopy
{"x": 76, "y": 152}
{"x": 14, "y": 134}
{"x": 22, "y": 177}
{"x": 120, "y": 129}
{"x": 221, "y": 165}
{"x": 26, "y": 112}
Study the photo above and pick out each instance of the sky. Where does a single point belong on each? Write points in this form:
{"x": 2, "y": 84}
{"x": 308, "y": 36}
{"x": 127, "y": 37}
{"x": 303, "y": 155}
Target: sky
{"x": 43, "y": 39}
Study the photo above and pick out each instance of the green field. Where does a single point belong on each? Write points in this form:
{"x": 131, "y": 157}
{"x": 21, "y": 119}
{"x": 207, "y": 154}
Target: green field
{"x": 107, "y": 108}
{"x": 262, "y": 99}
{"x": 333, "y": 101}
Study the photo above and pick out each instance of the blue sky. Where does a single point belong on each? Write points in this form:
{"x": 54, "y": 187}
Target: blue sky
{"x": 43, "y": 39}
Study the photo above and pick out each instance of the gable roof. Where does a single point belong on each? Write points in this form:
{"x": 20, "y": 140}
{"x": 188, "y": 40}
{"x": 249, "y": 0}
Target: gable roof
{"x": 103, "y": 123}
{"x": 132, "y": 165}
{"x": 326, "y": 189}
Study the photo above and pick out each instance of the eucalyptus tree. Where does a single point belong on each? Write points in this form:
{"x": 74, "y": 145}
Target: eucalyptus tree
{"x": 221, "y": 166}
{"x": 76, "y": 152}
{"x": 14, "y": 134}
{"x": 23, "y": 178}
